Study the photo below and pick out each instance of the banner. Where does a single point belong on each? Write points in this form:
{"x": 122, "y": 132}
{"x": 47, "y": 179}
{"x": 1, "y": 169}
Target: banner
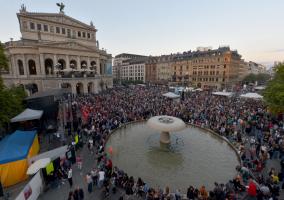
{"x": 32, "y": 190}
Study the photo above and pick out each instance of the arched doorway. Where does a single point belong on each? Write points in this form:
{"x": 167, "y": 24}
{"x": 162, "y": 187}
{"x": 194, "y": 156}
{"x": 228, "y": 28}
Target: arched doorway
{"x": 32, "y": 88}
{"x": 48, "y": 65}
{"x": 62, "y": 64}
{"x": 66, "y": 86}
{"x": 90, "y": 87}
{"x": 32, "y": 67}
{"x": 73, "y": 64}
{"x": 199, "y": 85}
{"x": 79, "y": 88}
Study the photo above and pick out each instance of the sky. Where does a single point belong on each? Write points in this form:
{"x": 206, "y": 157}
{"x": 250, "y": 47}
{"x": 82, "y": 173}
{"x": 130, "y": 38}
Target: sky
{"x": 154, "y": 27}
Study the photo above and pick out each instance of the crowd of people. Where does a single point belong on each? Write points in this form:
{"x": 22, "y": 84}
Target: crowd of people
{"x": 247, "y": 124}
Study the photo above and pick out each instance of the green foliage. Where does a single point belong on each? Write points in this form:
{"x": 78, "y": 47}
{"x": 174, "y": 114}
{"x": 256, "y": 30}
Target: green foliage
{"x": 11, "y": 103}
{"x": 274, "y": 92}
{"x": 11, "y": 99}
{"x": 260, "y": 78}
{"x": 3, "y": 59}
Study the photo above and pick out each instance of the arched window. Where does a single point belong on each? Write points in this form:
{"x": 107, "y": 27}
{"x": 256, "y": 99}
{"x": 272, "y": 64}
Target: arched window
{"x": 62, "y": 64}
{"x": 32, "y": 67}
{"x": 73, "y": 64}
{"x": 94, "y": 66}
{"x": 48, "y": 64}
{"x": 84, "y": 65}
{"x": 21, "y": 67}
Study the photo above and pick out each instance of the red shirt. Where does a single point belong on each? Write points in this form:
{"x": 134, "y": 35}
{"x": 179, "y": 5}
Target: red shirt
{"x": 252, "y": 189}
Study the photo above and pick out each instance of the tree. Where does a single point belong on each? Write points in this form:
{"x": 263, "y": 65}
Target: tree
{"x": 3, "y": 64}
{"x": 274, "y": 92}
{"x": 261, "y": 78}
{"x": 11, "y": 99}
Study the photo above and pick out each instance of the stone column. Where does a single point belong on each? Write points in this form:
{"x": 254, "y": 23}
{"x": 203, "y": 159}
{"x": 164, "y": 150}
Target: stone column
{"x": 73, "y": 87}
{"x": 67, "y": 62}
{"x": 42, "y": 67}
{"x": 25, "y": 65}
{"x": 14, "y": 67}
{"x": 88, "y": 63}
{"x": 54, "y": 60}
{"x": 78, "y": 62}
{"x": 85, "y": 87}
{"x": 98, "y": 66}
{"x": 96, "y": 86}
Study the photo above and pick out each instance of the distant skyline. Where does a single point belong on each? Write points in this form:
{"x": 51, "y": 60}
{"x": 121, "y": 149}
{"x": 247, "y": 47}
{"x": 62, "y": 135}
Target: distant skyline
{"x": 155, "y": 27}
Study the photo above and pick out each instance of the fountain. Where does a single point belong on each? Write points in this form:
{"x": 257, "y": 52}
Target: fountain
{"x": 164, "y": 151}
{"x": 166, "y": 124}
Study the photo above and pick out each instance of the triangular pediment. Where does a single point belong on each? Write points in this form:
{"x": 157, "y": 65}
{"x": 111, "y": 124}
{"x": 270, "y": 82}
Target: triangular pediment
{"x": 57, "y": 18}
{"x": 68, "y": 45}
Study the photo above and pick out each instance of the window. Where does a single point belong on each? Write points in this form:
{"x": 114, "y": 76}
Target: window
{"x": 21, "y": 67}
{"x": 89, "y": 35}
{"x": 217, "y": 80}
{"x": 57, "y": 30}
{"x": 224, "y": 66}
{"x": 45, "y": 27}
{"x": 51, "y": 29}
{"x": 32, "y": 26}
{"x": 68, "y": 33}
{"x": 32, "y": 67}
{"x": 79, "y": 33}
{"x": 63, "y": 31}
{"x": 39, "y": 27}
{"x": 84, "y": 34}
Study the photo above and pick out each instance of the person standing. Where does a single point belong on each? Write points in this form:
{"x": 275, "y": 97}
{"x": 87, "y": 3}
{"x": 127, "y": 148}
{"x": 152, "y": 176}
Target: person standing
{"x": 101, "y": 178}
{"x": 89, "y": 182}
{"x": 252, "y": 193}
{"x": 70, "y": 180}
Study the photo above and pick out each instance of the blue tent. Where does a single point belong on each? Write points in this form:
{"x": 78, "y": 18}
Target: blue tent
{"x": 15, "y": 149}
{"x": 16, "y": 146}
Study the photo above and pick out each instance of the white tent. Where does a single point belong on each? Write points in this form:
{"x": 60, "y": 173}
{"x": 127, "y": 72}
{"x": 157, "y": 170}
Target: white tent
{"x": 27, "y": 114}
{"x": 226, "y": 94}
{"x": 52, "y": 154}
{"x": 37, "y": 165}
{"x": 252, "y": 96}
{"x": 171, "y": 95}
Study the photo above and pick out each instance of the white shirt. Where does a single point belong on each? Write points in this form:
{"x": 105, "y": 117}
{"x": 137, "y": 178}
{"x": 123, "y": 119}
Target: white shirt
{"x": 101, "y": 175}
{"x": 70, "y": 173}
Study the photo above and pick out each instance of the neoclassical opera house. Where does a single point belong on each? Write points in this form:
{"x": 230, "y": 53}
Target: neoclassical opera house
{"x": 57, "y": 51}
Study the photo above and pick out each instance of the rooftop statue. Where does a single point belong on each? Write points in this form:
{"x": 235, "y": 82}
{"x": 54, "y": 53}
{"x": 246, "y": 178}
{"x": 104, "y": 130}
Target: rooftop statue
{"x": 61, "y": 7}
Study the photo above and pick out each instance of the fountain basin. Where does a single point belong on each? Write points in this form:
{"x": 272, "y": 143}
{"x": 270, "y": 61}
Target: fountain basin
{"x": 193, "y": 156}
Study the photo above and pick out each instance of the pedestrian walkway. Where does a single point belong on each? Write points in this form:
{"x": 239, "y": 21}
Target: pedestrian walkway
{"x": 61, "y": 193}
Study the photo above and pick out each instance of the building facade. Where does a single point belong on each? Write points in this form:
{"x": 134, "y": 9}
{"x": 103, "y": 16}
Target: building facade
{"x": 255, "y": 68}
{"x": 133, "y": 70}
{"x": 208, "y": 69}
{"x": 119, "y": 61}
{"x": 164, "y": 69}
{"x": 151, "y": 70}
{"x": 56, "y": 51}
